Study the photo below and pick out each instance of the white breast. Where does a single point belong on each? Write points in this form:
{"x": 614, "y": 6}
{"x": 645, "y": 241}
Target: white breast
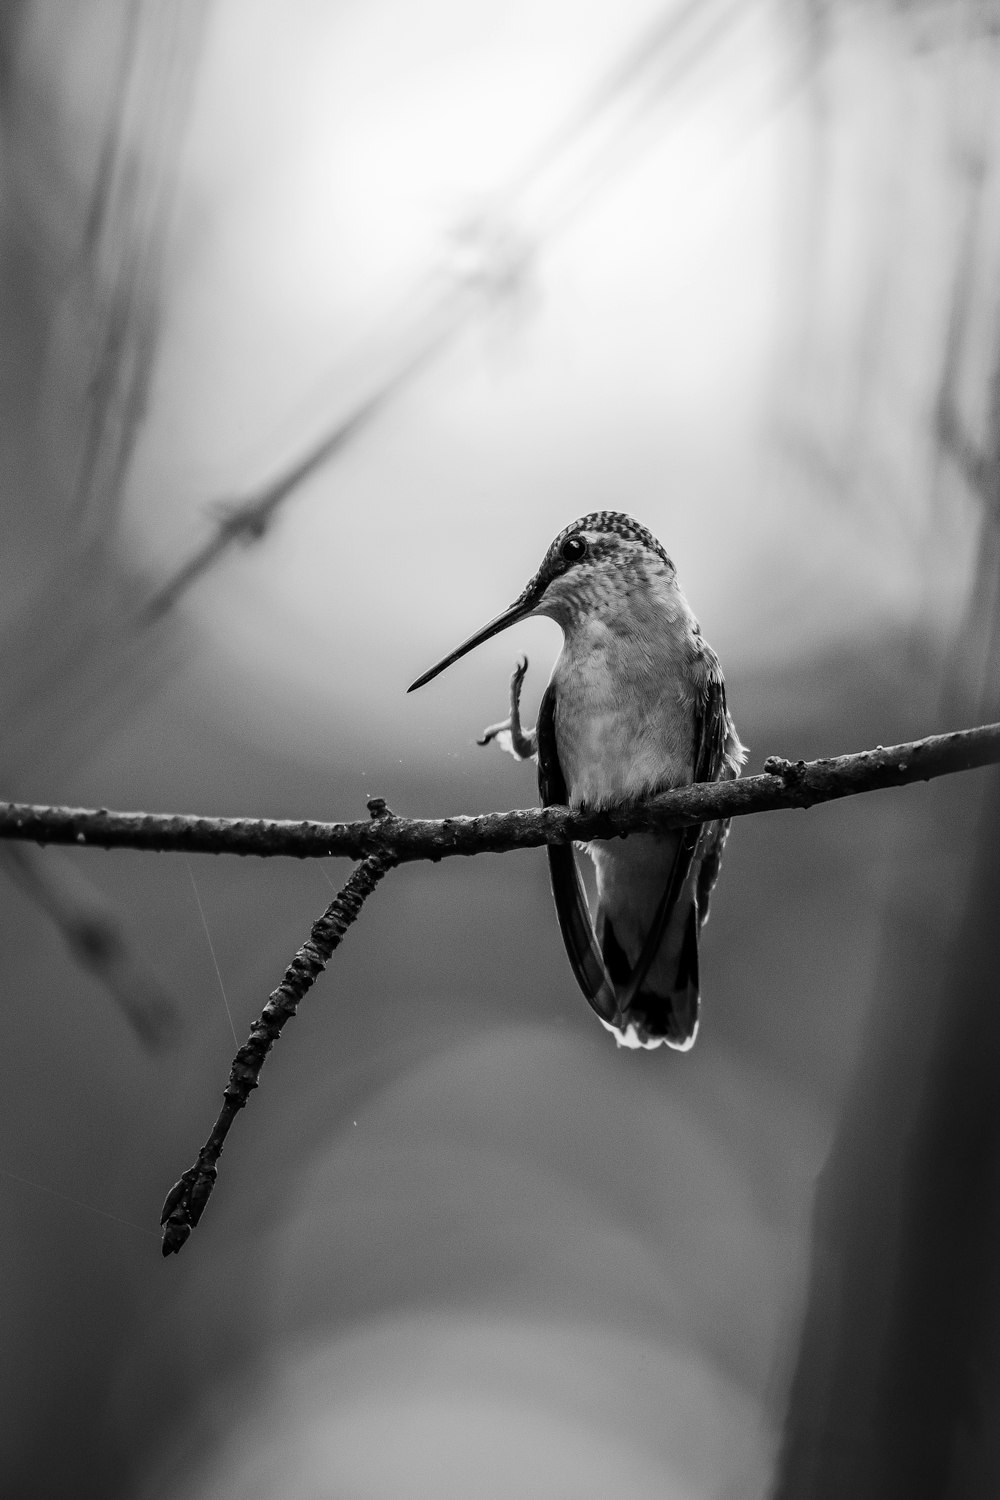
{"x": 625, "y": 707}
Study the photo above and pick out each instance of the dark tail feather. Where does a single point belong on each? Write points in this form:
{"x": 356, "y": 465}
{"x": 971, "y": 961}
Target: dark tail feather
{"x": 672, "y": 1016}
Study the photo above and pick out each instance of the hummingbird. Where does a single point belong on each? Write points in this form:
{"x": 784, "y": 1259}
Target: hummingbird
{"x": 636, "y": 705}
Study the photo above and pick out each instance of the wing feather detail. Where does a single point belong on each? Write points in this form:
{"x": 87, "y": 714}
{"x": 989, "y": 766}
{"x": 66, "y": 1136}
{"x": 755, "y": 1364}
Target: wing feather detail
{"x": 568, "y": 890}
{"x": 718, "y": 757}
{"x": 710, "y": 739}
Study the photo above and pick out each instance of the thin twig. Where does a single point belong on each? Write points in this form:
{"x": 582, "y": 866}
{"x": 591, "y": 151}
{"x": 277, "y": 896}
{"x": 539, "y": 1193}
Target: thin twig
{"x": 185, "y": 1203}
{"x": 784, "y": 784}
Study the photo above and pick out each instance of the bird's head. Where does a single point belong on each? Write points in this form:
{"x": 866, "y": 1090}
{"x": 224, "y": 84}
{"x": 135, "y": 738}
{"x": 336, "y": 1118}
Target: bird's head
{"x": 598, "y": 567}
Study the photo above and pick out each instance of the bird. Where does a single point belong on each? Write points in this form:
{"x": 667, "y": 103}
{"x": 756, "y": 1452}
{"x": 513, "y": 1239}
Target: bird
{"x": 636, "y": 705}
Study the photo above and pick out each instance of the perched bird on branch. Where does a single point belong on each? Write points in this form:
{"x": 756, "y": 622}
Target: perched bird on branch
{"x": 636, "y": 705}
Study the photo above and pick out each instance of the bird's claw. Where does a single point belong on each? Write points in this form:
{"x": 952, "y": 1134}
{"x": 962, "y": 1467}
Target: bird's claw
{"x": 508, "y": 733}
{"x": 493, "y": 732}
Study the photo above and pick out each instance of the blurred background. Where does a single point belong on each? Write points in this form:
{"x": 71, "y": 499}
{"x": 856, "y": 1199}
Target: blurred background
{"x": 318, "y": 320}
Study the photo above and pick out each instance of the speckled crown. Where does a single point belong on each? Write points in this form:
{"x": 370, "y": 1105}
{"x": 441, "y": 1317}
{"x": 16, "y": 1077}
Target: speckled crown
{"x": 615, "y": 523}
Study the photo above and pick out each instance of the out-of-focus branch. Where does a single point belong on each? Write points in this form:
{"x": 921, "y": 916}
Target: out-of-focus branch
{"x": 185, "y": 1203}
{"x": 978, "y": 466}
{"x": 898, "y": 1354}
{"x": 784, "y": 784}
{"x": 70, "y": 655}
{"x": 97, "y": 938}
{"x": 249, "y": 520}
{"x": 594, "y": 143}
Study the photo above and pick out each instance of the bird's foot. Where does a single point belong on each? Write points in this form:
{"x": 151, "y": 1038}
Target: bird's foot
{"x": 509, "y": 734}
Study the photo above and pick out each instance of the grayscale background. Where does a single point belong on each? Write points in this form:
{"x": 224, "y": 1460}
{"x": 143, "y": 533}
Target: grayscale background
{"x": 319, "y": 319}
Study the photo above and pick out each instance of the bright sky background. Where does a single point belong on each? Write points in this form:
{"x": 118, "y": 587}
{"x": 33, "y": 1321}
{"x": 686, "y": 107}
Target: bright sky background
{"x": 335, "y": 153}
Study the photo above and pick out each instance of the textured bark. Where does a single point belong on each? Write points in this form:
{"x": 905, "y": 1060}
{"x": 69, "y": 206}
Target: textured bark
{"x": 785, "y": 784}
{"x": 185, "y": 1203}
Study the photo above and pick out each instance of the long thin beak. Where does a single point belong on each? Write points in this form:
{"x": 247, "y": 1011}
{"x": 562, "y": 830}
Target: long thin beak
{"x": 519, "y": 610}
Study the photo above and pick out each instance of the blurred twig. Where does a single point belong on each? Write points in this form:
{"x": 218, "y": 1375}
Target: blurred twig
{"x": 971, "y": 675}
{"x": 85, "y": 657}
{"x": 977, "y": 464}
{"x": 96, "y": 937}
{"x": 894, "y": 1385}
{"x": 896, "y": 1370}
{"x": 500, "y": 244}
{"x": 784, "y": 784}
{"x": 72, "y": 655}
{"x": 249, "y": 520}
{"x": 124, "y": 240}
{"x": 186, "y": 1200}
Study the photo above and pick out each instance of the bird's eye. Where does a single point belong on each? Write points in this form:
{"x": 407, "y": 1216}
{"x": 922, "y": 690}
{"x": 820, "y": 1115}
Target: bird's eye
{"x": 572, "y": 549}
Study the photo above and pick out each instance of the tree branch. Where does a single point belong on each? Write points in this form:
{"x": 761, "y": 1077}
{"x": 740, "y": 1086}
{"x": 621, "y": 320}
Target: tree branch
{"x": 185, "y": 1203}
{"x": 784, "y": 784}
{"x": 388, "y": 840}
